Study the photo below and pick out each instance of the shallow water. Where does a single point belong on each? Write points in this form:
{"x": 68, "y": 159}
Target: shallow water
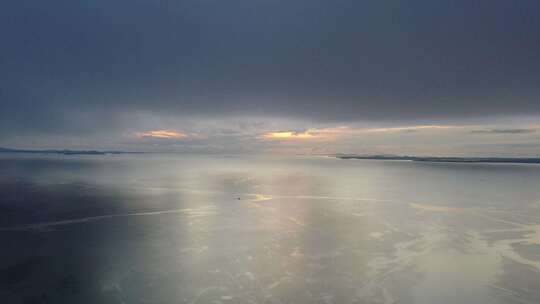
{"x": 260, "y": 229}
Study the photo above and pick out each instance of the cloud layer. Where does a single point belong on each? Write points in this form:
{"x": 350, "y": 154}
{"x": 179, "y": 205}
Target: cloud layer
{"x": 105, "y": 68}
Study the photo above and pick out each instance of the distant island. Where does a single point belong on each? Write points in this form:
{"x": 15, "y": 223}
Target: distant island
{"x": 64, "y": 152}
{"x": 520, "y": 160}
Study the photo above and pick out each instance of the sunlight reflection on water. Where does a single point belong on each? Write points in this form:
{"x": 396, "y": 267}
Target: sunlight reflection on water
{"x": 209, "y": 229}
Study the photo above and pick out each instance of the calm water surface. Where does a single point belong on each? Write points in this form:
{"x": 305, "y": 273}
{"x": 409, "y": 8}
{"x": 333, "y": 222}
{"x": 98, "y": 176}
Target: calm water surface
{"x": 254, "y": 229}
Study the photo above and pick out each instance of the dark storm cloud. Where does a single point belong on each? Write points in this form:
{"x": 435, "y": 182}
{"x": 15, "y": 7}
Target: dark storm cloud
{"x": 77, "y": 65}
{"x": 506, "y": 131}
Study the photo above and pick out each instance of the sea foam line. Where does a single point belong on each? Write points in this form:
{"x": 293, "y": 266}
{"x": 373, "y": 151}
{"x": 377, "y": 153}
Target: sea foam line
{"x": 195, "y": 212}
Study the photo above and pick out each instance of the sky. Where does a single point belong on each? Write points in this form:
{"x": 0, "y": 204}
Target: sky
{"x": 423, "y": 77}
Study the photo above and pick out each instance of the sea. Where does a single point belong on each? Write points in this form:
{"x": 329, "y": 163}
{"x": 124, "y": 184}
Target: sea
{"x": 184, "y": 228}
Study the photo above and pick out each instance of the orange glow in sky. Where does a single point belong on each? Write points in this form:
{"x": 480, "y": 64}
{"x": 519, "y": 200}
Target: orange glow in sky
{"x": 165, "y": 134}
{"x": 335, "y": 132}
{"x": 288, "y": 135}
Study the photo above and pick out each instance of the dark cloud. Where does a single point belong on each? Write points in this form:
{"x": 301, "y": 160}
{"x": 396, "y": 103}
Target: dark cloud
{"x": 506, "y": 131}
{"x": 84, "y": 66}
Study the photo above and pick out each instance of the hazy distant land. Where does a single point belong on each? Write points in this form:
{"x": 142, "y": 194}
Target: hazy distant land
{"x": 64, "y": 151}
{"x": 522, "y": 160}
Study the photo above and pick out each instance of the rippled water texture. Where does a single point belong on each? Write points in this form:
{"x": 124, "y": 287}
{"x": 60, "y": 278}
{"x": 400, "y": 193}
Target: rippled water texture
{"x": 254, "y": 229}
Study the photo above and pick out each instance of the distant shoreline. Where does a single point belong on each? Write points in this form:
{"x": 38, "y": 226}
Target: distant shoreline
{"x": 65, "y": 152}
{"x": 435, "y": 159}
{"x": 510, "y": 160}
